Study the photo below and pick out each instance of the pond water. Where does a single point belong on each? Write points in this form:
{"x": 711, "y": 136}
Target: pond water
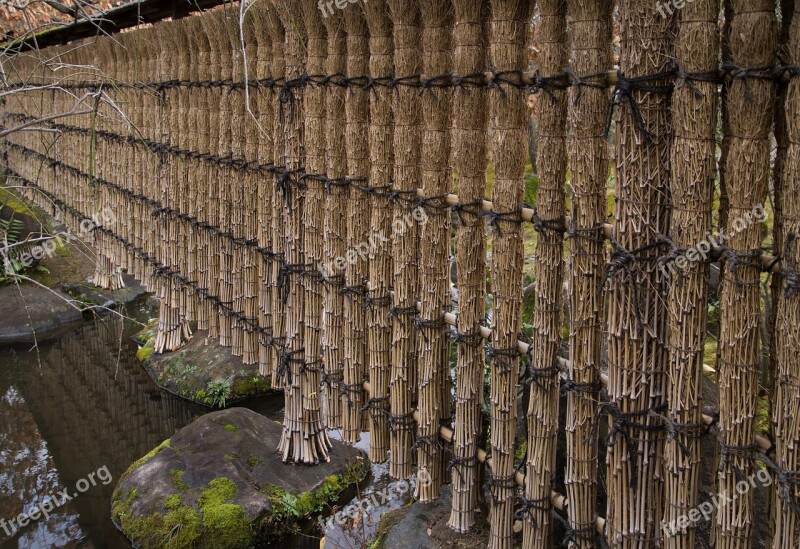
{"x": 77, "y": 411}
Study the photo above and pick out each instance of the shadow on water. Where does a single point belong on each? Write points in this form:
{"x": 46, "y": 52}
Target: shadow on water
{"x": 80, "y": 406}
{"x": 76, "y": 413}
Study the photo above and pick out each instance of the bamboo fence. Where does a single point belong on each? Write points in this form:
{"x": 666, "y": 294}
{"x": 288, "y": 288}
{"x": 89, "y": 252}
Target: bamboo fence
{"x": 301, "y": 199}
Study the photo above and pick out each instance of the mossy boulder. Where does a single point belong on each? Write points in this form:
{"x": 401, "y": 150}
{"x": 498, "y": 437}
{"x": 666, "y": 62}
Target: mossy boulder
{"x": 202, "y": 371}
{"x": 219, "y": 482}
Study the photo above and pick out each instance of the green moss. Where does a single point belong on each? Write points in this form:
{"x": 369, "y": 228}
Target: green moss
{"x": 249, "y": 386}
{"x": 172, "y": 501}
{"x": 225, "y": 523}
{"x": 177, "y": 479}
{"x": 218, "y": 523}
{"x": 386, "y": 523}
{"x": 144, "y": 353}
{"x": 231, "y": 427}
{"x": 253, "y": 461}
{"x": 230, "y": 457}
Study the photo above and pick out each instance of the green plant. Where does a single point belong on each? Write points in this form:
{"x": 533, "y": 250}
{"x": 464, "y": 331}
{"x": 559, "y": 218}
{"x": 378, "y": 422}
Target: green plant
{"x": 219, "y": 391}
{"x": 10, "y": 232}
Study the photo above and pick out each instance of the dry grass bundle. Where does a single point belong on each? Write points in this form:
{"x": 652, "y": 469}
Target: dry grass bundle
{"x": 406, "y": 142}
{"x": 787, "y": 390}
{"x": 292, "y": 446}
{"x": 508, "y": 126}
{"x": 551, "y": 155}
{"x": 750, "y": 102}
{"x": 590, "y": 54}
{"x": 356, "y": 140}
{"x": 379, "y": 325}
{"x": 469, "y": 167}
{"x": 197, "y": 139}
{"x": 637, "y": 356}
{"x": 434, "y": 248}
{"x": 261, "y": 103}
{"x": 277, "y": 69}
{"x": 693, "y": 157}
{"x": 335, "y": 225}
{"x": 313, "y": 218}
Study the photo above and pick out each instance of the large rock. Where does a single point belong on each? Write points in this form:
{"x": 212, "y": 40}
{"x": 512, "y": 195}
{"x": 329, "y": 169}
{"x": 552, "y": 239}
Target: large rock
{"x": 202, "y": 370}
{"x": 219, "y": 482}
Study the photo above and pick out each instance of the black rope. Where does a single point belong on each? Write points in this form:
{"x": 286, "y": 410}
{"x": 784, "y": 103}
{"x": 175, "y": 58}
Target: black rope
{"x": 503, "y": 359}
{"x": 623, "y": 94}
{"x": 576, "y": 535}
{"x": 622, "y": 422}
{"x": 528, "y": 506}
{"x": 290, "y": 357}
{"x": 733, "y": 71}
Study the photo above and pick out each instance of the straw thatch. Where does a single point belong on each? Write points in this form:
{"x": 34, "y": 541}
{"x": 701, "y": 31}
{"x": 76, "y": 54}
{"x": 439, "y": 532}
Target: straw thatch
{"x": 694, "y": 111}
{"x": 787, "y": 388}
{"x": 508, "y": 127}
{"x": 551, "y": 157}
{"x": 357, "y": 143}
{"x": 469, "y": 170}
{"x": 434, "y": 247}
{"x": 335, "y": 226}
{"x": 750, "y": 102}
{"x": 406, "y": 143}
{"x": 379, "y": 300}
{"x": 590, "y": 55}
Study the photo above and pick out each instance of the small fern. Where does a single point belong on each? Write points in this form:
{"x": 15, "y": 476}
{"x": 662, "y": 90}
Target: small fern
{"x": 10, "y": 232}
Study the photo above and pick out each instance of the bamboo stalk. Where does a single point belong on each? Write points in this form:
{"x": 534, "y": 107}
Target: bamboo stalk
{"x": 588, "y": 157}
{"x": 315, "y": 148}
{"x": 356, "y": 140}
{"x": 693, "y": 156}
{"x": 379, "y": 325}
{"x": 406, "y": 141}
{"x": 786, "y": 424}
{"x": 551, "y": 159}
{"x": 469, "y": 170}
{"x": 508, "y": 127}
{"x": 637, "y": 357}
{"x": 434, "y": 249}
{"x": 335, "y": 227}
{"x": 750, "y": 103}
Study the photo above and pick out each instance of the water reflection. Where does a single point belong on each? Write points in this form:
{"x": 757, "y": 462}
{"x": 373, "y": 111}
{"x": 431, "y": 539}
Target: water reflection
{"x": 81, "y": 403}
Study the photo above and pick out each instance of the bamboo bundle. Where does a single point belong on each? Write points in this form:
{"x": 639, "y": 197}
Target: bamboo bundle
{"x": 551, "y": 160}
{"x": 335, "y": 227}
{"x": 637, "y": 357}
{"x": 254, "y": 285}
{"x": 243, "y": 290}
{"x": 187, "y": 187}
{"x": 750, "y": 101}
{"x": 222, "y": 139}
{"x": 196, "y": 139}
{"x": 277, "y": 68}
{"x": 207, "y": 141}
{"x": 469, "y": 167}
{"x": 263, "y": 106}
{"x": 357, "y": 142}
{"x": 508, "y": 127}
{"x": 406, "y": 143}
{"x": 787, "y": 387}
{"x": 693, "y": 158}
{"x": 378, "y": 298}
{"x": 590, "y": 55}
{"x": 781, "y": 138}
{"x": 434, "y": 247}
{"x": 313, "y": 218}
{"x": 304, "y": 440}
